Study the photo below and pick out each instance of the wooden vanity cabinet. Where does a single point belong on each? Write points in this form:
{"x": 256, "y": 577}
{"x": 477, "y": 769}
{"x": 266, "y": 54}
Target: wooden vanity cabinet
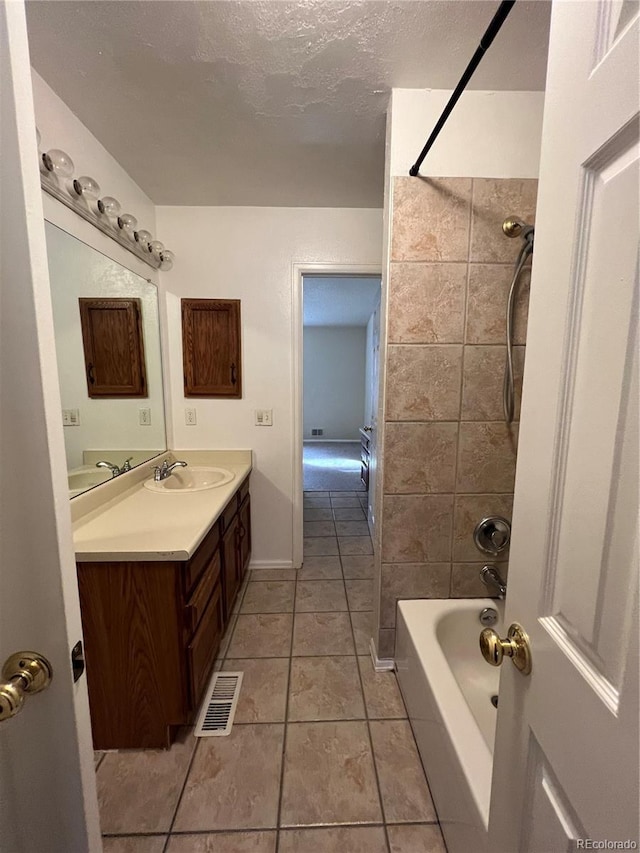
{"x": 152, "y": 631}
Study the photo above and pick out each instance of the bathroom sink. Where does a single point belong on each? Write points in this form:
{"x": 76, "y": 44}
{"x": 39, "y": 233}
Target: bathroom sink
{"x": 84, "y": 478}
{"x": 191, "y": 479}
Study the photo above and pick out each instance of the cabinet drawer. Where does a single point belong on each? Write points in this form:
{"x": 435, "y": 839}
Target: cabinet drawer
{"x": 202, "y": 593}
{"x": 243, "y": 491}
{"x": 202, "y": 650}
{"x": 201, "y": 558}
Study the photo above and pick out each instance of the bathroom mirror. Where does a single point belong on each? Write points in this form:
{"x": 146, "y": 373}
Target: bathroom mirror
{"x": 106, "y": 429}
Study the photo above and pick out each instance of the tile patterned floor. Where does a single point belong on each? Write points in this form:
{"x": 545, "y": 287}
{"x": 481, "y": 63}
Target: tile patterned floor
{"x": 321, "y": 758}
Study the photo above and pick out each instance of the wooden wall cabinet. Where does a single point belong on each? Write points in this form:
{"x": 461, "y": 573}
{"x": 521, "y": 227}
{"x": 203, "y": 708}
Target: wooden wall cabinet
{"x": 113, "y": 347}
{"x": 152, "y": 631}
{"x": 211, "y": 348}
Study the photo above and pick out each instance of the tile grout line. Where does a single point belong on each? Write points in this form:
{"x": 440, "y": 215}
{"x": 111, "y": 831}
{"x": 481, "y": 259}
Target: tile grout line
{"x": 367, "y": 721}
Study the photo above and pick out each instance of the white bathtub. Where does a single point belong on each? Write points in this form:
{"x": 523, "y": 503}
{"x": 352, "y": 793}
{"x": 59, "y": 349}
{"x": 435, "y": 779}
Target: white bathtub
{"x": 447, "y": 688}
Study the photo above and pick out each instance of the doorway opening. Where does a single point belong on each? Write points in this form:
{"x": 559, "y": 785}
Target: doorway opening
{"x": 340, "y": 376}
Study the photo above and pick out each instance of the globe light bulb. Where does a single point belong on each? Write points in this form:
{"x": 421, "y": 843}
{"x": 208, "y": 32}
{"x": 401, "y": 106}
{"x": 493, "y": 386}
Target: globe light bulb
{"x": 59, "y": 162}
{"x": 143, "y": 238}
{"x": 109, "y": 206}
{"x": 156, "y": 248}
{"x": 87, "y": 187}
{"x": 167, "y": 260}
{"x": 127, "y": 223}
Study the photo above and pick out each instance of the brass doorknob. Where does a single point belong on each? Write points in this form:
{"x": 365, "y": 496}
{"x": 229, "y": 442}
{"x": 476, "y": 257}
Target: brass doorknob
{"x": 516, "y": 647}
{"x": 23, "y": 674}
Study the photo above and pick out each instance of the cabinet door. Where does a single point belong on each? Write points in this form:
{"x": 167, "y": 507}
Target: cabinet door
{"x": 244, "y": 537}
{"x": 202, "y": 650}
{"x": 113, "y": 347}
{"x": 211, "y": 348}
{"x": 230, "y": 560}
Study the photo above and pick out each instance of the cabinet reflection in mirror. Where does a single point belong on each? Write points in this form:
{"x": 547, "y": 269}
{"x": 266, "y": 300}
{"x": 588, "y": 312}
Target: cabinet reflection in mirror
{"x": 122, "y": 425}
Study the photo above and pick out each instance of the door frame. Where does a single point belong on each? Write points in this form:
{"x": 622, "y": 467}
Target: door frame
{"x": 297, "y": 318}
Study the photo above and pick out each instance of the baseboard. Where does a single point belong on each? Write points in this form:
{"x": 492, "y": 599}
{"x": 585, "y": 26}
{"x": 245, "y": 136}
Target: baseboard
{"x": 271, "y": 564}
{"x": 331, "y": 441}
{"x": 380, "y": 664}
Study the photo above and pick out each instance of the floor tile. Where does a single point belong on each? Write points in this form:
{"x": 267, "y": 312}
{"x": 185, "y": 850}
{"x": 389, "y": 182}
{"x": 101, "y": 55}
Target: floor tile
{"x": 228, "y": 634}
{"x": 362, "y": 631}
{"x": 352, "y": 528}
{"x": 325, "y": 688}
{"x": 346, "y": 493}
{"x": 360, "y": 594}
{"x": 342, "y": 839}
{"x": 274, "y": 574}
{"x": 319, "y": 528}
{"x": 318, "y": 596}
{"x": 320, "y": 546}
{"x": 224, "y": 842}
{"x": 138, "y": 790}
{"x": 263, "y": 695}
{"x": 262, "y": 636}
{"x": 311, "y": 503}
{"x": 425, "y": 838}
{"x": 344, "y": 502}
{"x": 318, "y": 514}
{"x": 405, "y": 794}
{"x": 234, "y": 781}
{"x": 134, "y": 844}
{"x": 268, "y": 597}
{"x": 353, "y": 545}
{"x": 358, "y": 567}
{"x": 315, "y": 494}
{"x": 322, "y": 634}
{"x": 320, "y": 568}
{"x": 348, "y": 513}
{"x": 328, "y": 775}
{"x": 381, "y": 692}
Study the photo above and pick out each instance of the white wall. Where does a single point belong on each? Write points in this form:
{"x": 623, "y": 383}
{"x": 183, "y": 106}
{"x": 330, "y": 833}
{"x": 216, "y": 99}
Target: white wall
{"x": 249, "y": 254}
{"x": 488, "y": 134}
{"x": 334, "y": 381}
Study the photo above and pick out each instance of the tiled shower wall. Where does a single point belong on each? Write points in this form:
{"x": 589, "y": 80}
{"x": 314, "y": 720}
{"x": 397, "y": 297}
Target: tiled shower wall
{"x": 448, "y": 456}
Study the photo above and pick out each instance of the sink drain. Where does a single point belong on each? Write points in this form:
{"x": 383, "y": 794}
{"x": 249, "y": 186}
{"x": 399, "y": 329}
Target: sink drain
{"x": 494, "y": 700}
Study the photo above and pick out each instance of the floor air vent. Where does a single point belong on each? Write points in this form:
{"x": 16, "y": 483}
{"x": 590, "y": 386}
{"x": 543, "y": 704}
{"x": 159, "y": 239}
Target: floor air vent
{"x": 218, "y": 710}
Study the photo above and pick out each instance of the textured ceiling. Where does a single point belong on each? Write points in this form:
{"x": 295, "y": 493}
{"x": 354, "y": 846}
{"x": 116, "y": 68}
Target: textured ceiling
{"x": 266, "y": 103}
{"x": 340, "y": 300}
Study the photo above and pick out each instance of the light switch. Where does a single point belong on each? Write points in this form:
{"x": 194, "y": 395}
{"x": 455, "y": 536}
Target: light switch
{"x": 145, "y": 417}
{"x": 190, "y": 417}
{"x": 264, "y": 417}
{"x": 71, "y": 417}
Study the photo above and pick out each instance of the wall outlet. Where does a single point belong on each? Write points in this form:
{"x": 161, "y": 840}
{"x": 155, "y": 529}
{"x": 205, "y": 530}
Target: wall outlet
{"x": 71, "y": 417}
{"x": 317, "y": 432}
{"x": 190, "y": 418}
{"x": 264, "y": 417}
{"x": 145, "y": 417}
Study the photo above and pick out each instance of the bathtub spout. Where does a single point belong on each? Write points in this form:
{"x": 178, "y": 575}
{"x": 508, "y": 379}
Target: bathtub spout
{"x": 491, "y": 577}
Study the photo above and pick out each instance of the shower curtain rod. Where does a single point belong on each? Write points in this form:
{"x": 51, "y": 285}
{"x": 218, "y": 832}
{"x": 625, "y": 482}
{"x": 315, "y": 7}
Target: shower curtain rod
{"x": 485, "y": 43}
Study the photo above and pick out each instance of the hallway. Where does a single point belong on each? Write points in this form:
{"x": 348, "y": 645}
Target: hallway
{"x": 321, "y": 758}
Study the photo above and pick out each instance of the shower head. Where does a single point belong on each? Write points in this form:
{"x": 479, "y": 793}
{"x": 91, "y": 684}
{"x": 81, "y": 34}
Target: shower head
{"x": 514, "y": 227}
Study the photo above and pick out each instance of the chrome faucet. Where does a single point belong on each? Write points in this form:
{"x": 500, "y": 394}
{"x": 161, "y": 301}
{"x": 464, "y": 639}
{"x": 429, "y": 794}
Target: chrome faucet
{"x": 161, "y": 473}
{"x": 115, "y": 471}
{"x": 490, "y": 576}
{"x": 113, "y": 468}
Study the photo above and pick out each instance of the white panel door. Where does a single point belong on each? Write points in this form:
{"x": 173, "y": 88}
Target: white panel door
{"x": 47, "y": 783}
{"x": 566, "y": 759}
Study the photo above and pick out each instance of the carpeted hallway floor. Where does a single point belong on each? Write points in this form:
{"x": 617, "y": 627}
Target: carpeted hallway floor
{"x": 332, "y": 466}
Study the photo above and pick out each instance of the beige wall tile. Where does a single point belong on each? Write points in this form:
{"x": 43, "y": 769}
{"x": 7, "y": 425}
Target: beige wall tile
{"x": 486, "y": 457}
{"x": 465, "y": 579}
{"x": 420, "y": 457}
{"x": 468, "y": 511}
{"x": 411, "y": 580}
{"x": 430, "y": 219}
{"x": 416, "y": 528}
{"x": 423, "y": 383}
{"x": 488, "y": 290}
{"x": 386, "y": 647}
{"x": 482, "y": 382}
{"x": 493, "y": 200}
{"x": 426, "y": 303}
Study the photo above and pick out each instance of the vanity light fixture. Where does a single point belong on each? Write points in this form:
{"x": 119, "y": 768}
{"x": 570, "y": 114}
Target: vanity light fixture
{"x": 83, "y": 196}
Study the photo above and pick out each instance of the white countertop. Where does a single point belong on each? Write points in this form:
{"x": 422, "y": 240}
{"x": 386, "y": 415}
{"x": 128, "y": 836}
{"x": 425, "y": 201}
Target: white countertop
{"x": 142, "y": 525}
